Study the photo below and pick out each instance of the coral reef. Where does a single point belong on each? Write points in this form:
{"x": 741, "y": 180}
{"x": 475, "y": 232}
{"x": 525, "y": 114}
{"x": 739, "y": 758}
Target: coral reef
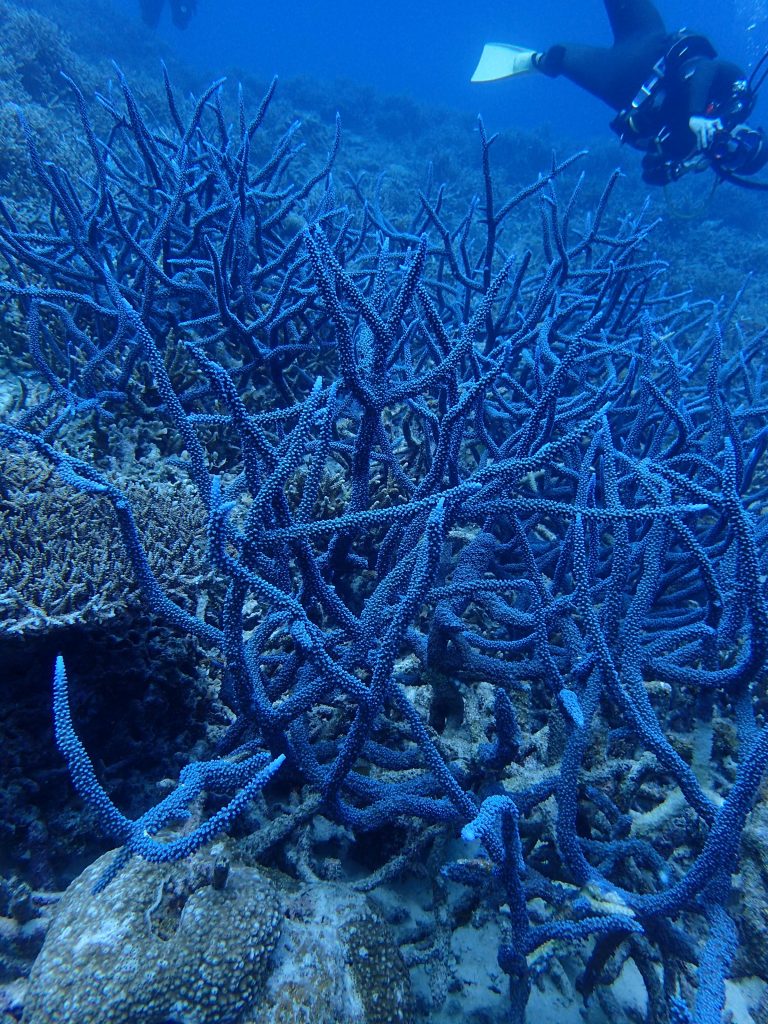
{"x": 213, "y": 939}
{"x": 33, "y": 54}
{"x": 157, "y": 945}
{"x": 62, "y": 562}
{"x": 468, "y": 536}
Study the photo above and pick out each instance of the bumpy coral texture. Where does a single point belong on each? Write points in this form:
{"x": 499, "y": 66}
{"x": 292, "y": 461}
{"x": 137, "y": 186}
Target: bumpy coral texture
{"x": 336, "y": 962}
{"x": 61, "y": 559}
{"x": 159, "y": 943}
{"x": 211, "y": 941}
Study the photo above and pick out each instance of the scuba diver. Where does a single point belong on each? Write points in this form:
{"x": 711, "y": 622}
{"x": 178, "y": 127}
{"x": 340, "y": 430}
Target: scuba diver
{"x": 674, "y": 98}
{"x": 181, "y": 12}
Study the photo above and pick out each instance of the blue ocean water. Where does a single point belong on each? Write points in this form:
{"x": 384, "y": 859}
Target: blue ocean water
{"x": 428, "y": 50}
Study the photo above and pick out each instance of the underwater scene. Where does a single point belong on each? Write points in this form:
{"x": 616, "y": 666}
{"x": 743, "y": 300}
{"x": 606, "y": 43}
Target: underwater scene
{"x": 383, "y": 492}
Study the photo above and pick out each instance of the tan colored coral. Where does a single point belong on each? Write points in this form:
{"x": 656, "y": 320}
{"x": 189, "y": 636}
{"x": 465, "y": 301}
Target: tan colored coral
{"x": 62, "y": 559}
{"x": 212, "y": 940}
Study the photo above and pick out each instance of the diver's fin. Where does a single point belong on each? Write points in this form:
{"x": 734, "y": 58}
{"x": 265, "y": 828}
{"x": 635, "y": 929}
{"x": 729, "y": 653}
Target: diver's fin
{"x": 502, "y": 60}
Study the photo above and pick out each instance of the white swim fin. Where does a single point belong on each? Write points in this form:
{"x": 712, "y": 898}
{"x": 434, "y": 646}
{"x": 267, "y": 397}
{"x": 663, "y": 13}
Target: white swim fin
{"x": 502, "y": 60}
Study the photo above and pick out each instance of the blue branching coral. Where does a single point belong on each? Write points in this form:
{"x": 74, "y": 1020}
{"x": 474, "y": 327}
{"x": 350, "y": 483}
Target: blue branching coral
{"x": 428, "y": 456}
{"x": 246, "y": 776}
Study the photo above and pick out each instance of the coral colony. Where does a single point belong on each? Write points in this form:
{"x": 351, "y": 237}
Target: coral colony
{"x": 437, "y": 472}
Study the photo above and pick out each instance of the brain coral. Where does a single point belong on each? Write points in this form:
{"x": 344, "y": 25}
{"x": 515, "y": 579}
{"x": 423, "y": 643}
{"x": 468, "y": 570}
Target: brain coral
{"x": 198, "y": 943}
{"x": 160, "y": 943}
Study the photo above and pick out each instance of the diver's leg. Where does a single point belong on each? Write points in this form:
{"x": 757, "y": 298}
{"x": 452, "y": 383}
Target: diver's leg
{"x": 614, "y": 74}
{"x": 632, "y": 18}
{"x": 590, "y": 67}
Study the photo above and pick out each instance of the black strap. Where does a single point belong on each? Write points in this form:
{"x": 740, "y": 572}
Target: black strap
{"x": 735, "y": 179}
{"x": 685, "y": 47}
{"x": 743, "y": 182}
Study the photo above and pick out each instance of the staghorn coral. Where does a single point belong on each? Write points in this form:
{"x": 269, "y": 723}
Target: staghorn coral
{"x": 545, "y": 486}
{"x": 61, "y": 559}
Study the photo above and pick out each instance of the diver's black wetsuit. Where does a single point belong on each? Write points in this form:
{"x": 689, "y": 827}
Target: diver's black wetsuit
{"x": 616, "y": 73}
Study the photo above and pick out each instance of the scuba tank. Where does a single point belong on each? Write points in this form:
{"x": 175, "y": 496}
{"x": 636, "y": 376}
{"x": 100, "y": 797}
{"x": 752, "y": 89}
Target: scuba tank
{"x": 640, "y": 123}
{"x": 737, "y": 148}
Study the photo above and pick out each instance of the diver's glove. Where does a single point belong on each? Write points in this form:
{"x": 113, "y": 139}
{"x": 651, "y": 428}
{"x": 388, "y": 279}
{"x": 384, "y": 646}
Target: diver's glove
{"x": 705, "y": 129}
